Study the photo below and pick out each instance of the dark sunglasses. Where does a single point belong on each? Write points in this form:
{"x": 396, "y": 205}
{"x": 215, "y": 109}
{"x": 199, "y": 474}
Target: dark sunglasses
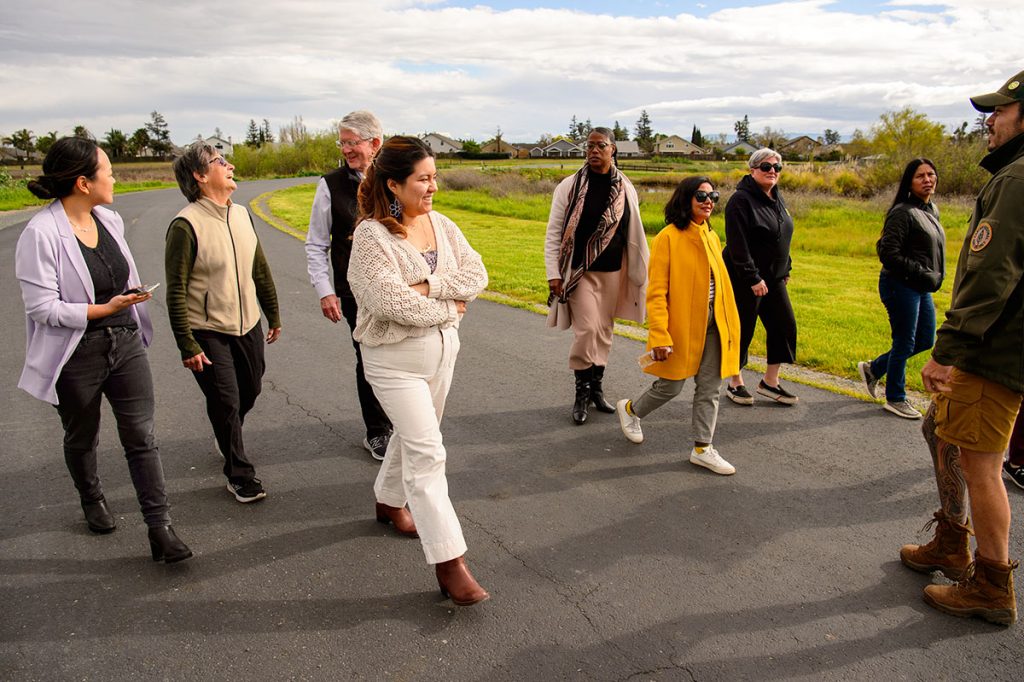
{"x": 220, "y": 161}
{"x": 701, "y": 196}
{"x": 765, "y": 167}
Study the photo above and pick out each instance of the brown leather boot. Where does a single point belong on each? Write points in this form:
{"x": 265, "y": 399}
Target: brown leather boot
{"x": 399, "y": 516}
{"x": 986, "y": 592}
{"x": 949, "y": 551}
{"x": 455, "y": 581}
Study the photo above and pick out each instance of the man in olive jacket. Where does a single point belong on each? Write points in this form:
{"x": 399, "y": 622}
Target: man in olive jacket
{"x": 976, "y": 372}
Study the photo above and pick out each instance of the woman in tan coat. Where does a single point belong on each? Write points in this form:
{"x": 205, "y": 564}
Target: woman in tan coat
{"x": 691, "y": 314}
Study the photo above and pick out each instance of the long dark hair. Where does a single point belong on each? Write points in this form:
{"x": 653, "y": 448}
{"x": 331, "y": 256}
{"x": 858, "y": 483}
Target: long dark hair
{"x": 395, "y": 161}
{"x": 68, "y": 159}
{"x": 679, "y": 209}
{"x": 903, "y": 192}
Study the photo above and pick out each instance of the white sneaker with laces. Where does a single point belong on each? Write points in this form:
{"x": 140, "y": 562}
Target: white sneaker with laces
{"x": 710, "y": 459}
{"x": 902, "y": 409}
{"x": 629, "y": 423}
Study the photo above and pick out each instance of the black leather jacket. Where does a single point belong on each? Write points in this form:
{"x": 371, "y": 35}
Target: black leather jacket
{"x": 912, "y": 247}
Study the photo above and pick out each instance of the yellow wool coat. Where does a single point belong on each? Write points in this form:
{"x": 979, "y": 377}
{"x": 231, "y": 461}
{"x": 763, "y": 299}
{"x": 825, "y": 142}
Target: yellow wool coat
{"x": 677, "y": 301}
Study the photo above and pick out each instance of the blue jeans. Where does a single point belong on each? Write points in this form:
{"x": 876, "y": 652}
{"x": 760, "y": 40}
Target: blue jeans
{"x": 912, "y": 320}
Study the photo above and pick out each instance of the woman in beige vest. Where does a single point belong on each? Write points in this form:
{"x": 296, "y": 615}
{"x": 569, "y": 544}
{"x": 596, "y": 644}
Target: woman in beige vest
{"x": 217, "y": 281}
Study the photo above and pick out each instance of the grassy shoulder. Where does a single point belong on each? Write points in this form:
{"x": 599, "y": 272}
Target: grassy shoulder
{"x": 14, "y": 198}
{"x": 835, "y": 275}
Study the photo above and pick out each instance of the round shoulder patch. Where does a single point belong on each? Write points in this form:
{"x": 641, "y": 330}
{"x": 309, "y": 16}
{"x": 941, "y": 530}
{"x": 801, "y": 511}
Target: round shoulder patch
{"x": 982, "y": 236}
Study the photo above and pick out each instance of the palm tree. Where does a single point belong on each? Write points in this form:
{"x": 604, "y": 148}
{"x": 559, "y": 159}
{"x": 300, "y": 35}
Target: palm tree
{"x": 116, "y": 143}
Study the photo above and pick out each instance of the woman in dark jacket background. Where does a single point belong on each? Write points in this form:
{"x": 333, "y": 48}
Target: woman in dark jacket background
{"x": 758, "y": 233}
{"x": 912, "y": 250}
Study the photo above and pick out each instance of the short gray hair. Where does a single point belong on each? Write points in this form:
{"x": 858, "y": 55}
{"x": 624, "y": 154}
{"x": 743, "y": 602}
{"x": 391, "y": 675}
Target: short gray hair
{"x": 362, "y": 123}
{"x": 763, "y": 154}
{"x": 195, "y": 158}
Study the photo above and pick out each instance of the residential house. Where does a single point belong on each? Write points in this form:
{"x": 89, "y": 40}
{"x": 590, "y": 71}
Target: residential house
{"x": 674, "y": 145}
{"x": 803, "y": 147}
{"x": 562, "y": 148}
{"x": 628, "y": 149}
{"x": 500, "y": 147}
{"x": 739, "y": 148}
{"x": 442, "y": 144}
{"x": 225, "y": 147}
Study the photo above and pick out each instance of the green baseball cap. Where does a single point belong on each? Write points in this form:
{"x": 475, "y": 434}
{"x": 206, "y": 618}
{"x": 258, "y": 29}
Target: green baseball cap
{"x": 1012, "y": 91}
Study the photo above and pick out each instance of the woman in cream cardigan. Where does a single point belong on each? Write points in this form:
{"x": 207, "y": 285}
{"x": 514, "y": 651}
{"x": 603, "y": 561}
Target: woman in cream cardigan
{"x": 412, "y": 274}
{"x": 692, "y": 318}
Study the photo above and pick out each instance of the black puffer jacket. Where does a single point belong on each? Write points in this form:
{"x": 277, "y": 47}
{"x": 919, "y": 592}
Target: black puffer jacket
{"x": 913, "y": 245}
{"x": 758, "y": 233}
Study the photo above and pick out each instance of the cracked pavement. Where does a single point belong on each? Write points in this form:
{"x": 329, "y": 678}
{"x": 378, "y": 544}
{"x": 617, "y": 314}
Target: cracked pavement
{"x": 606, "y": 560}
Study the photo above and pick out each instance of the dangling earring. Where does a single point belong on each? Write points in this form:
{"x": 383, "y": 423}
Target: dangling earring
{"x": 395, "y": 209}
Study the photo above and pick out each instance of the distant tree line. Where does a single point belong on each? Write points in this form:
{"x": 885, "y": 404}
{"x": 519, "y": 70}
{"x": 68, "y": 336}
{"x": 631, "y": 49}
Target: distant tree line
{"x": 152, "y": 139}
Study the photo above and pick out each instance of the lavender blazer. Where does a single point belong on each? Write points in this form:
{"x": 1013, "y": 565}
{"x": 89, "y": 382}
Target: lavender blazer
{"x": 57, "y": 290}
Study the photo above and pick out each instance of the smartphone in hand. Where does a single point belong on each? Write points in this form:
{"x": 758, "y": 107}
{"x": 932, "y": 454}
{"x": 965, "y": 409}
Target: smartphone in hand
{"x": 144, "y": 289}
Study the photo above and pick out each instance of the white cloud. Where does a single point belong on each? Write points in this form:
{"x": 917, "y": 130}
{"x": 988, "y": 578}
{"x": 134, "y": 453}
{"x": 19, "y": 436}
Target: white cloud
{"x": 799, "y": 65}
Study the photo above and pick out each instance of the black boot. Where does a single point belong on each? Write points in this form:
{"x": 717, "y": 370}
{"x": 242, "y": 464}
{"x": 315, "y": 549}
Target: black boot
{"x": 98, "y": 517}
{"x": 579, "y": 407}
{"x": 166, "y": 546}
{"x": 597, "y": 392}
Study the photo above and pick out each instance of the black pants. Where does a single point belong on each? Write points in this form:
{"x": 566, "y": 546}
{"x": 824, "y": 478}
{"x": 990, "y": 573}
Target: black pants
{"x": 112, "y": 362}
{"x": 775, "y": 313}
{"x": 231, "y": 385}
{"x": 374, "y": 417}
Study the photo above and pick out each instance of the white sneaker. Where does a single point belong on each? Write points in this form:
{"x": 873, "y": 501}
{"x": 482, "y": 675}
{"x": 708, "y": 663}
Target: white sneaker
{"x": 870, "y": 382}
{"x": 902, "y": 409}
{"x": 710, "y": 459}
{"x": 630, "y": 423}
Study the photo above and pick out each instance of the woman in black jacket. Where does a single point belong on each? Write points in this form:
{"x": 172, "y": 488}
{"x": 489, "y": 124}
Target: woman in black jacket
{"x": 758, "y": 232}
{"x": 912, "y": 250}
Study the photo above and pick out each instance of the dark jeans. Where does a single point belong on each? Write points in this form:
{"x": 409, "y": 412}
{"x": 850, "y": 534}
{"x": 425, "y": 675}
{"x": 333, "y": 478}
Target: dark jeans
{"x": 776, "y": 314}
{"x": 374, "y": 417}
{"x": 112, "y": 362}
{"x": 912, "y": 320}
{"x": 231, "y": 385}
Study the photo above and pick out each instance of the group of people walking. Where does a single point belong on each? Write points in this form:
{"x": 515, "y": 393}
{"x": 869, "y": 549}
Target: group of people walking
{"x": 404, "y": 274}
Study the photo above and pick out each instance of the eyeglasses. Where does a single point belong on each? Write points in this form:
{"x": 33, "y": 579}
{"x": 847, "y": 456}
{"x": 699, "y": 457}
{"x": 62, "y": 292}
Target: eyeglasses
{"x": 597, "y": 145}
{"x": 765, "y": 167}
{"x": 701, "y": 196}
{"x": 350, "y": 144}
{"x": 220, "y": 161}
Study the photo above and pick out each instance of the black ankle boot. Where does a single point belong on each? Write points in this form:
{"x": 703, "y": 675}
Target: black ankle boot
{"x": 579, "y": 407}
{"x": 98, "y": 517}
{"x": 166, "y": 546}
{"x": 597, "y": 391}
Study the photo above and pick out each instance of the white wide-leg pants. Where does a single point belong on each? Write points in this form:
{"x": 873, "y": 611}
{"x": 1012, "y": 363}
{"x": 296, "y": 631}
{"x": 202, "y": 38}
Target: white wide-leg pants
{"x": 411, "y": 380}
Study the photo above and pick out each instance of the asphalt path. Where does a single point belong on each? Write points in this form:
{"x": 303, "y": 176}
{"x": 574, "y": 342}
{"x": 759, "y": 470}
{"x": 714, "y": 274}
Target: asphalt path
{"x": 605, "y": 560}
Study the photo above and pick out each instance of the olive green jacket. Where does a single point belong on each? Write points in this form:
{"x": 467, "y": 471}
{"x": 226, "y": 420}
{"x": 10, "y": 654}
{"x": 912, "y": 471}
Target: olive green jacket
{"x": 984, "y": 329}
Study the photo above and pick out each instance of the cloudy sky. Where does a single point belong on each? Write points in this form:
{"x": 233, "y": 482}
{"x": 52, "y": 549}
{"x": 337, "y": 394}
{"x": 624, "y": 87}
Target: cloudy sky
{"x": 467, "y": 67}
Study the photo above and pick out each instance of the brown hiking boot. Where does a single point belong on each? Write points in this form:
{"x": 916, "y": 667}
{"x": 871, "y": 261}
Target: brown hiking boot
{"x": 949, "y": 551}
{"x": 986, "y": 592}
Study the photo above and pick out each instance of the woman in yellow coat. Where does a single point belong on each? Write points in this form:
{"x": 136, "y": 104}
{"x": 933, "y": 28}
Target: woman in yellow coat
{"x": 691, "y": 314}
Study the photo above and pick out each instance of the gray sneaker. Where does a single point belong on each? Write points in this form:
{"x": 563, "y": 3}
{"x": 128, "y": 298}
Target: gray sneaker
{"x": 903, "y": 409}
{"x": 870, "y": 382}
{"x": 629, "y": 423}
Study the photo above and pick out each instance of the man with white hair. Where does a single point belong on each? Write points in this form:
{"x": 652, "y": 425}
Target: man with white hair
{"x": 329, "y": 244}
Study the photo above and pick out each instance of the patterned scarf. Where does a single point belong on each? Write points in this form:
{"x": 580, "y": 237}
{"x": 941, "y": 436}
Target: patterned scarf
{"x": 601, "y": 236}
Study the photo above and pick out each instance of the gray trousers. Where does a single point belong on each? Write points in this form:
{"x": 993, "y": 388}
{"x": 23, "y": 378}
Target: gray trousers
{"x": 705, "y": 396}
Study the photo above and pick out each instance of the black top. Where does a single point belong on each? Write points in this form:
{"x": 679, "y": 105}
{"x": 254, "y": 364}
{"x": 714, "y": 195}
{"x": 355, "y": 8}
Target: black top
{"x": 758, "y": 233}
{"x": 913, "y": 245}
{"x": 599, "y": 188}
{"x": 343, "y": 184}
{"x": 109, "y": 271}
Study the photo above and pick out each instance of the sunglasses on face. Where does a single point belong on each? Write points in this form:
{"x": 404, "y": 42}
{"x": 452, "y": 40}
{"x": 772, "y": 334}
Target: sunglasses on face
{"x": 765, "y": 167}
{"x": 597, "y": 145}
{"x": 220, "y": 161}
{"x": 701, "y": 196}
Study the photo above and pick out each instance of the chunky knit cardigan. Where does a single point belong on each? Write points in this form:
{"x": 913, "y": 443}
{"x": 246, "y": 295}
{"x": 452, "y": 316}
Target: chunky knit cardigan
{"x": 382, "y": 269}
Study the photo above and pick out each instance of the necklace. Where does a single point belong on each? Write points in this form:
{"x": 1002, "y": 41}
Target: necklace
{"x": 86, "y": 228}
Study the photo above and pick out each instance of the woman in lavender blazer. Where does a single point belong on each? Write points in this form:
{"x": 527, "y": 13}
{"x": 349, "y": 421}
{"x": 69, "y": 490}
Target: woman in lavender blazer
{"x": 86, "y": 332}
